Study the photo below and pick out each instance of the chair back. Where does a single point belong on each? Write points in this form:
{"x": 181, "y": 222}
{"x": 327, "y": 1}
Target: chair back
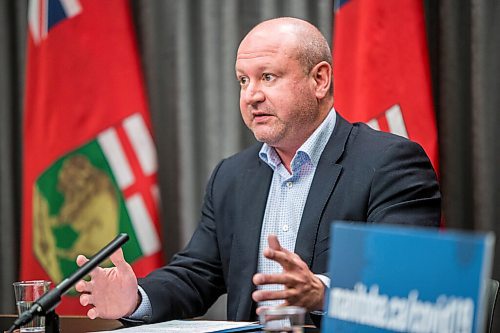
{"x": 492, "y": 299}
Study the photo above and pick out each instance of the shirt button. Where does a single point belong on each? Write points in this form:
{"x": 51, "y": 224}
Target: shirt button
{"x": 285, "y": 227}
{"x": 289, "y": 184}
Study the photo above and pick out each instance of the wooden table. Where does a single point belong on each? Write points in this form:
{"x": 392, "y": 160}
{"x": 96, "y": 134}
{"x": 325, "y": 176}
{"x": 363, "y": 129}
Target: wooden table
{"x": 70, "y": 324}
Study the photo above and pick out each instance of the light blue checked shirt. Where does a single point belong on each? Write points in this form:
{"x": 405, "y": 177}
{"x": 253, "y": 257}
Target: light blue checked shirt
{"x": 285, "y": 204}
{"x": 287, "y": 197}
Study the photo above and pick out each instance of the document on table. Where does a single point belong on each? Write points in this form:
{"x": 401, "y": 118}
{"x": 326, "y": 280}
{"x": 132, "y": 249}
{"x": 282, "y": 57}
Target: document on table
{"x": 192, "y": 326}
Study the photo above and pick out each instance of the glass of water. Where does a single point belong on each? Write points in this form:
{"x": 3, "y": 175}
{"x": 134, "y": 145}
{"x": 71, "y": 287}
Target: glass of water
{"x": 283, "y": 319}
{"x": 27, "y": 292}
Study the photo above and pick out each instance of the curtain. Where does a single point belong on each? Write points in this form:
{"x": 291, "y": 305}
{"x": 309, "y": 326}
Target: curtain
{"x": 469, "y": 103}
{"x": 12, "y": 47}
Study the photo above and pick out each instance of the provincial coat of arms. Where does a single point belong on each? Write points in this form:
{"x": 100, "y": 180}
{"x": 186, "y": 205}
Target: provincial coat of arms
{"x": 88, "y": 196}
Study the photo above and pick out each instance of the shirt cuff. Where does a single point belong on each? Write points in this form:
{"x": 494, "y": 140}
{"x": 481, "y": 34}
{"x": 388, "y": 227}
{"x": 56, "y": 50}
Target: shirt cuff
{"x": 144, "y": 311}
{"x": 326, "y": 281}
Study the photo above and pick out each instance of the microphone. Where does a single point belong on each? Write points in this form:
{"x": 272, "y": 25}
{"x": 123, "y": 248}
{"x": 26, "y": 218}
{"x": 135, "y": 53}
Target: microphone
{"x": 52, "y": 298}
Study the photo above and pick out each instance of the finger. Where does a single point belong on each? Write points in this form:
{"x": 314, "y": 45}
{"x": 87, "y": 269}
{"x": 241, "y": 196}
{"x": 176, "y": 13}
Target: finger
{"x": 92, "y": 313}
{"x": 86, "y": 299}
{"x": 269, "y": 295}
{"x": 285, "y": 259}
{"x": 261, "y": 309}
{"x": 81, "y": 260}
{"x": 83, "y": 287}
{"x": 274, "y": 243}
{"x": 262, "y": 279}
{"x": 117, "y": 258}
{"x": 275, "y": 246}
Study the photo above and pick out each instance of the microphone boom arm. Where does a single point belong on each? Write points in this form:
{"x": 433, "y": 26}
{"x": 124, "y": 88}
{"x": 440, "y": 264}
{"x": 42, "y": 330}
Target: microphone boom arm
{"x": 52, "y": 298}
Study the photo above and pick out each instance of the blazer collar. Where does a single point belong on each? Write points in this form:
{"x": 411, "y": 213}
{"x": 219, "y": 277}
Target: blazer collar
{"x": 322, "y": 186}
{"x": 253, "y": 204}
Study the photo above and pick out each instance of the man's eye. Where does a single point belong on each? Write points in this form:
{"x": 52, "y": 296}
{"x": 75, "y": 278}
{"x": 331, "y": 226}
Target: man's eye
{"x": 243, "y": 80}
{"x": 267, "y": 77}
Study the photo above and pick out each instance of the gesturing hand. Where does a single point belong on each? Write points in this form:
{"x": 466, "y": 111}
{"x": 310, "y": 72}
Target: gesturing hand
{"x": 112, "y": 291}
{"x": 302, "y": 287}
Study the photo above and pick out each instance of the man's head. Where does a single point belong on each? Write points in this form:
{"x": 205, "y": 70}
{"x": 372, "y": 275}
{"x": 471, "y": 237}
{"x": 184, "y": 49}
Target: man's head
{"x": 285, "y": 72}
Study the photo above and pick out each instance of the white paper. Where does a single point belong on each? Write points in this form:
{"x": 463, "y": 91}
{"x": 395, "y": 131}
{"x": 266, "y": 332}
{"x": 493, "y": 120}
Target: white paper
{"x": 191, "y": 326}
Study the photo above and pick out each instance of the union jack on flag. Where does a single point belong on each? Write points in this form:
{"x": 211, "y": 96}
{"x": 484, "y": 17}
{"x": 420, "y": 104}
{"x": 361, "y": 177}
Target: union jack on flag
{"x": 44, "y": 14}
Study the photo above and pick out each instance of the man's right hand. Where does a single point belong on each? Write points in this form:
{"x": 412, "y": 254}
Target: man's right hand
{"x": 112, "y": 292}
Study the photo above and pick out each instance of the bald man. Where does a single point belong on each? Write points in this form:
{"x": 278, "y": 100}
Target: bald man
{"x": 263, "y": 236}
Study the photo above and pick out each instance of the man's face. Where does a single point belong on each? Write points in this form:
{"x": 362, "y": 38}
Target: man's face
{"x": 277, "y": 99}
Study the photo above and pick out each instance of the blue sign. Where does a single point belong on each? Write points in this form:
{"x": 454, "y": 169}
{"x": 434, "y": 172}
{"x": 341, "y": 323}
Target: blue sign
{"x": 387, "y": 278}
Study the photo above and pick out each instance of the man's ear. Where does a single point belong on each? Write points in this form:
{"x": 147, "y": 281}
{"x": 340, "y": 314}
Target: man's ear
{"x": 322, "y": 76}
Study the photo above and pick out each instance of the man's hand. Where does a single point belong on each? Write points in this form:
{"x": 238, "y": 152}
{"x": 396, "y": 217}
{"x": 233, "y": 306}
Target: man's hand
{"x": 302, "y": 287}
{"x": 112, "y": 292}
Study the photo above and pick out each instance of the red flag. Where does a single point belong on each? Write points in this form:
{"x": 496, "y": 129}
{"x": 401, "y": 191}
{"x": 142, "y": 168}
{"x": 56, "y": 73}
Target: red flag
{"x": 90, "y": 169}
{"x": 381, "y": 68}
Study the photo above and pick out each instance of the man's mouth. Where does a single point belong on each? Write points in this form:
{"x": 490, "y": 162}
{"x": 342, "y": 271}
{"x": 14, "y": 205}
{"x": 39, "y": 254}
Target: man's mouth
{"x": 257, "y": 114}
{"x": 261, "y": 117}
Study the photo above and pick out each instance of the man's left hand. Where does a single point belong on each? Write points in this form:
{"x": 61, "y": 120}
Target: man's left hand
{"x": 301, "y": 286}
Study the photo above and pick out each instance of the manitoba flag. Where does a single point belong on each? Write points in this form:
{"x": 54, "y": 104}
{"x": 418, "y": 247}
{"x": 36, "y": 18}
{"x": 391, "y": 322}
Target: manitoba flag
{"x": 90, "y": 168}
{"x": 381, "y": 68}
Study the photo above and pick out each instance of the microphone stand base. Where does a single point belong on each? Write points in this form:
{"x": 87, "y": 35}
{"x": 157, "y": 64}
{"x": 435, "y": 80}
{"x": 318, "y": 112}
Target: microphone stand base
{"x": 52, "y": 322}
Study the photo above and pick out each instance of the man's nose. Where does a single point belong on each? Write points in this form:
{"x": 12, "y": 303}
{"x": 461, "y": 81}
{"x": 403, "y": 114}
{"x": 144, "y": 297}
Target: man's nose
{"x": 253, "y": 94}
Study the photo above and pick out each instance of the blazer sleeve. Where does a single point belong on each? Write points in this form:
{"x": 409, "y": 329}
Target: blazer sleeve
{"x": 404, "y": 188}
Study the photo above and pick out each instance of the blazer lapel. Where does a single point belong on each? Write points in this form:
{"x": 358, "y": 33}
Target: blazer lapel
{"x": 322, "y": 187}
{"x": 255, "y": 190}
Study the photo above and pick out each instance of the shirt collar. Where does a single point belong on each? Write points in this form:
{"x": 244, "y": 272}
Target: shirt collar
{"x": 312, "y": 148}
